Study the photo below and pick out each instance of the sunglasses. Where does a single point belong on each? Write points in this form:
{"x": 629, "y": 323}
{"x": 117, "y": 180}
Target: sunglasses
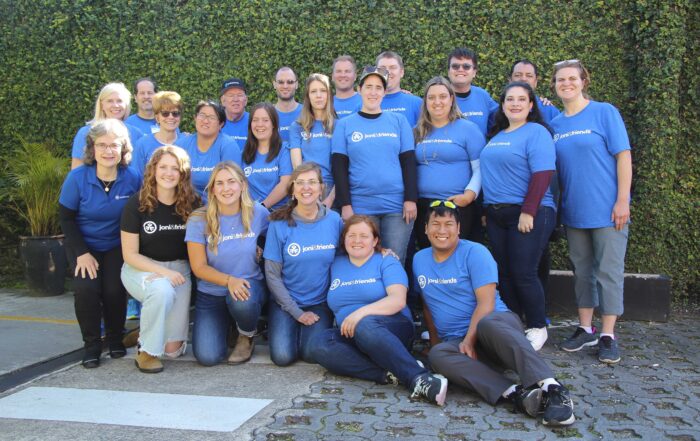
{"x": 383, "y": 71}
{"x": 174, "y": 113}
{"x": 464, "y": 66}
{"x": 448, "y": 204}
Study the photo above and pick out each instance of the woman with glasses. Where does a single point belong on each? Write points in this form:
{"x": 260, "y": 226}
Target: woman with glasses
{"x": 222, "y": 245}
{"x": 113, "y": 101}
{"x": 374, "y": 165}
{"x": 167, "y": 107}
{"x": 266, "y": 161}
{"x": 300, "y": 247}
{"x": 90, "y": 206}
{"x": 517, "y": 165}
{"x": 595, "y": 171}
{"x": 310, "y": 136}
{"x": 208, "y": 146}
{"x": 156, "y": 271}
{"x": 375, "y": 329}
{"x": 447, "y": 157}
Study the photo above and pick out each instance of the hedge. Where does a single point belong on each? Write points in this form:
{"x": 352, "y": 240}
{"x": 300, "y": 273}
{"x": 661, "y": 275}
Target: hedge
{"x": 643, "y": 58}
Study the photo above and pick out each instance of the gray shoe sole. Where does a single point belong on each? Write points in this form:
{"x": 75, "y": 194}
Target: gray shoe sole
{"x": 588, "y": 343}
{"x": 532, "y": 401}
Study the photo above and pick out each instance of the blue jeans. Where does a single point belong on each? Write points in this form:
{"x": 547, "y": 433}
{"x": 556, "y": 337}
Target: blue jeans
{"x": 212, "y": 316}
{"x": 289, "y": 339}
{"x": 381, "y": 343}
{"x": 395, "y": 232}
{"x": 518, "y": 255}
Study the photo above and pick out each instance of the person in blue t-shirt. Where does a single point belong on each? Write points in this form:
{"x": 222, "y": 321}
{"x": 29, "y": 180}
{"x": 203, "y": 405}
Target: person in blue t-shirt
{"x": 144, "y": 118}
{"x": 222, "y": 243}
{"x": 234, "y": 99}
{"x": 395, "y": 99}
{"x": 595, "y": 172}
{"x": 471, "y": 329}
{"x": 288, "y": 109}
{"x": 374, "y": 165}
{"x": 375, "y": 330}
{"x": 447, "y": 157}
{"x": 299, "y": 249}
{"x": 474, "y": 102}
{"x": 517, "y": 165}
{"x": 526, "y": 71}
{"x": 310, "y": 136}
{"x": 113, "y": 101}
{"x": 266, "y": 161}
{"x": 90, "y": 205}
{"x": 168, "y": 108}
{"x": 346, "y": 100}
{"x": 208, "y": 146}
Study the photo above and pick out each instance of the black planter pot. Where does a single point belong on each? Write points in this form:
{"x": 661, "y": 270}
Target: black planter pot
{"x": 45, "y": 264}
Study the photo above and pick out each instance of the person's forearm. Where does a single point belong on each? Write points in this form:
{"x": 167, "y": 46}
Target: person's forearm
{"x": 624, "y": 175}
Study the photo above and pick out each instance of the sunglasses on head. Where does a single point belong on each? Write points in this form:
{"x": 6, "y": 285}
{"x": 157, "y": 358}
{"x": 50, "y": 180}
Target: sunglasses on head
{"x": 448, "y": 204}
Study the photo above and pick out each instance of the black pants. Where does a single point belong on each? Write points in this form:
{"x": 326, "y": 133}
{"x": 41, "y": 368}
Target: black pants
{"x": 102, "y": 297}
{"x": 466, "y": 220}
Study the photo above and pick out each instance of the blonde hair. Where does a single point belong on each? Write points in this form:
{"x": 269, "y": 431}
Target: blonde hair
{"x": 212, "y": 213}
{"x": 307, "y": 119}
{"x": 168, "y": 99}
{"x": 107, "y": 90}
{"x": 186, "y": 198}
{"x": 425, "y": 125}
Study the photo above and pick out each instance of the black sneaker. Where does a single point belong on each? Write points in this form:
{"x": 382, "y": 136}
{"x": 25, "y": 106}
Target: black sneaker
{"x": 579, "y": 340}
{"x": 558, "y": 407}
{"x": 91, "y": 356}
{"x": 527, "y": 401}
{"x": 431, "y": 387}
{"x": 117, "y": 349}
{"x": 607, "y": 350}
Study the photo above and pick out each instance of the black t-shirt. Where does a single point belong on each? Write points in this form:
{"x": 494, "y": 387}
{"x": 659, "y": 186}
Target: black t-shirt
{"x": 161, "y": 233}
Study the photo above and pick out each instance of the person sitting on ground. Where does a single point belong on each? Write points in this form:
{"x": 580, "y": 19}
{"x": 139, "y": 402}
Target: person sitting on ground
{"x": 457, "y": 280}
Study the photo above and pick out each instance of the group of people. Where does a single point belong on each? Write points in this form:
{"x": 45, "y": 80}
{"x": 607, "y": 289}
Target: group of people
{"x": 313, "y": 219}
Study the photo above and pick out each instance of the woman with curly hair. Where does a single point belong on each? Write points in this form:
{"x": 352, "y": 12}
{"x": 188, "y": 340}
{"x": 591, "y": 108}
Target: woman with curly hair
{"x": 222, "y": 244}
{"x": 156, "y": 271}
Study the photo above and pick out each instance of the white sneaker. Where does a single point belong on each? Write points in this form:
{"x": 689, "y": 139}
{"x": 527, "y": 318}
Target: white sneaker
{"x": 536, "y": 337}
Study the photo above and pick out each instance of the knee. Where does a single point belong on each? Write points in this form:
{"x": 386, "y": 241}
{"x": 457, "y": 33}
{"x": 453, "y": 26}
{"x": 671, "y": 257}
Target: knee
{"x": 490, "y": 323}
{"x": 206, "y": 356}
{"x": 282, "y": 356}
{"x": 367, "y": 328}
{"x": 319, "y": 347}
{"x": 439, "y": 352}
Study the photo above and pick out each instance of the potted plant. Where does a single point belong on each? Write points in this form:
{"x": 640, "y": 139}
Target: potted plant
{"x": 35, "y": 173}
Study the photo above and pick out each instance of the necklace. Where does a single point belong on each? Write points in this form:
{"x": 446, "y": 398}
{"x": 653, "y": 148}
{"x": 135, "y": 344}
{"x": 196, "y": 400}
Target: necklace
{"x": 107, "y": 184}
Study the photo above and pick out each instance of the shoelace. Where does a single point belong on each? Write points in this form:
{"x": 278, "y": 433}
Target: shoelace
{"x": 421, "y": 388}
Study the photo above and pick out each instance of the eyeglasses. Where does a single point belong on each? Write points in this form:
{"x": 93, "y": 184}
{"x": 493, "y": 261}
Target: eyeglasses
{"x": 103, "y": 147}
{"x": 237, "y": 97}
{"x": 288, "y": 82}
{"x": 174, "y": 113}
{"x": 310, "y": 182}
{"x": 448, "y": 204}
{"x": 203, "y": 117}
{"x": 464, "y": 66}
{"x": 559, "y": 63}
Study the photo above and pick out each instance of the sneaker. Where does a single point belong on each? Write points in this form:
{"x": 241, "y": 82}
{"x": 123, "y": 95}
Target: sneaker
{"x": 536, "y": 337}
{"x": 91, "y": 356}
{"x": 527, "y": 401}
{"x": 391, "y": 379}
{"x": 580, "y": 339}
{"x": 607, "y": 350}
{"x": 558, "y": 407}
{"x": 117, "y": 349}
{"x": 147, "y": 363}
{"x": 431, "y": 387}
{"x": 133, "y": 309}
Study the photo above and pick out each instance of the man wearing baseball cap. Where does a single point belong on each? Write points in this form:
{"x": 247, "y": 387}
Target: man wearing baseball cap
{"x": 234, "y": 99}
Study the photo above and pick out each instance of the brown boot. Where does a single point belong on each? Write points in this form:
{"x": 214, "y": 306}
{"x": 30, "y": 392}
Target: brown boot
{"x": 131, "y": 339}
{"x": 147, "y": 363}
{"x": 243, "y": 350}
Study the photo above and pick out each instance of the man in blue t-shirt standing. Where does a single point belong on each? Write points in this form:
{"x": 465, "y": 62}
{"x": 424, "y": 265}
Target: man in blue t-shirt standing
{"x": 234, "y": 99}
{"x": 144, "y": 119}
{"x": 471, "y": 329}
{"x": 346, "y": 100}
{"x": 288, "y": 109}
{"x": 395, "y": 99}
{"x": 526, "y": 71}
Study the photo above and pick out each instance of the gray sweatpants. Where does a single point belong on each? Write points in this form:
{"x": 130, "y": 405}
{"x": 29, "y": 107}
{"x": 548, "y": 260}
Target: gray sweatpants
{"x": 501, "y": 343}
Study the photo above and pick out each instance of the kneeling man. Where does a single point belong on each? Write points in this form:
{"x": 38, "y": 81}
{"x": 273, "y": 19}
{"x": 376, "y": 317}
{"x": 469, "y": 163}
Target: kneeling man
{"x": 478, "y": 333}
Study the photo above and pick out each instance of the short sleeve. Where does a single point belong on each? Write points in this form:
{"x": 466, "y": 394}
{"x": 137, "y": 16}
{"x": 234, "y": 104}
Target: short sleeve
{"x": 474, "y": 139}
{"x": 273, "y": 243}
{"x": 616, "y": 138}
{"x": 70, "y": 192}
{"x": 541, "y": 154}
{"x": 79, "y": 142}
{"x": 230, "y": 151}
{"x": 407, "y": 142}
{"x": 481, "y": 266}
{"x": 131, "y": 217}
{"x": 262, "y": 214}
{"x": 195, "y": 230}
{"x": 285, "y": 161}
{"x": 294, "y": 136}
{"x": 338, "y": 141}
{"x": 392, "y": 272}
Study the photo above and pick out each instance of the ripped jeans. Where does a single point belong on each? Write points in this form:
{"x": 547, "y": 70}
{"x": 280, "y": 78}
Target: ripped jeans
{"x": 164, "y": 308}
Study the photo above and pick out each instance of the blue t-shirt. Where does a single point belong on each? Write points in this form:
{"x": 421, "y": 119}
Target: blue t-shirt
{"x": 548, "y": 112}
{"x": 373, "y": 147}
{"x": 238, "y": 130}
{"x": 449, "y": 288}
{"x": 223, "y": 149}
{"x": 263, "y": 176}
{"x": 353, "y": 287}
{"x": 306, "y": 252}
{"x": 80, "y": 140}
{"x": 146, "y": 126}
{"x": 98, "y": 212}
{"x": 144, "y": 148}
{"x": 237, "y": 250}
{"x": 443, "y": 159}
{"x": 286, "y": 120}
{"x": 586, "y": 146}
{"x": 315, "y": 146}
{"x": 478, "y": 108}
{"x": 404, "y": 103}
{"x": 347, "y": 106}
{"x": 509, "y": 160}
